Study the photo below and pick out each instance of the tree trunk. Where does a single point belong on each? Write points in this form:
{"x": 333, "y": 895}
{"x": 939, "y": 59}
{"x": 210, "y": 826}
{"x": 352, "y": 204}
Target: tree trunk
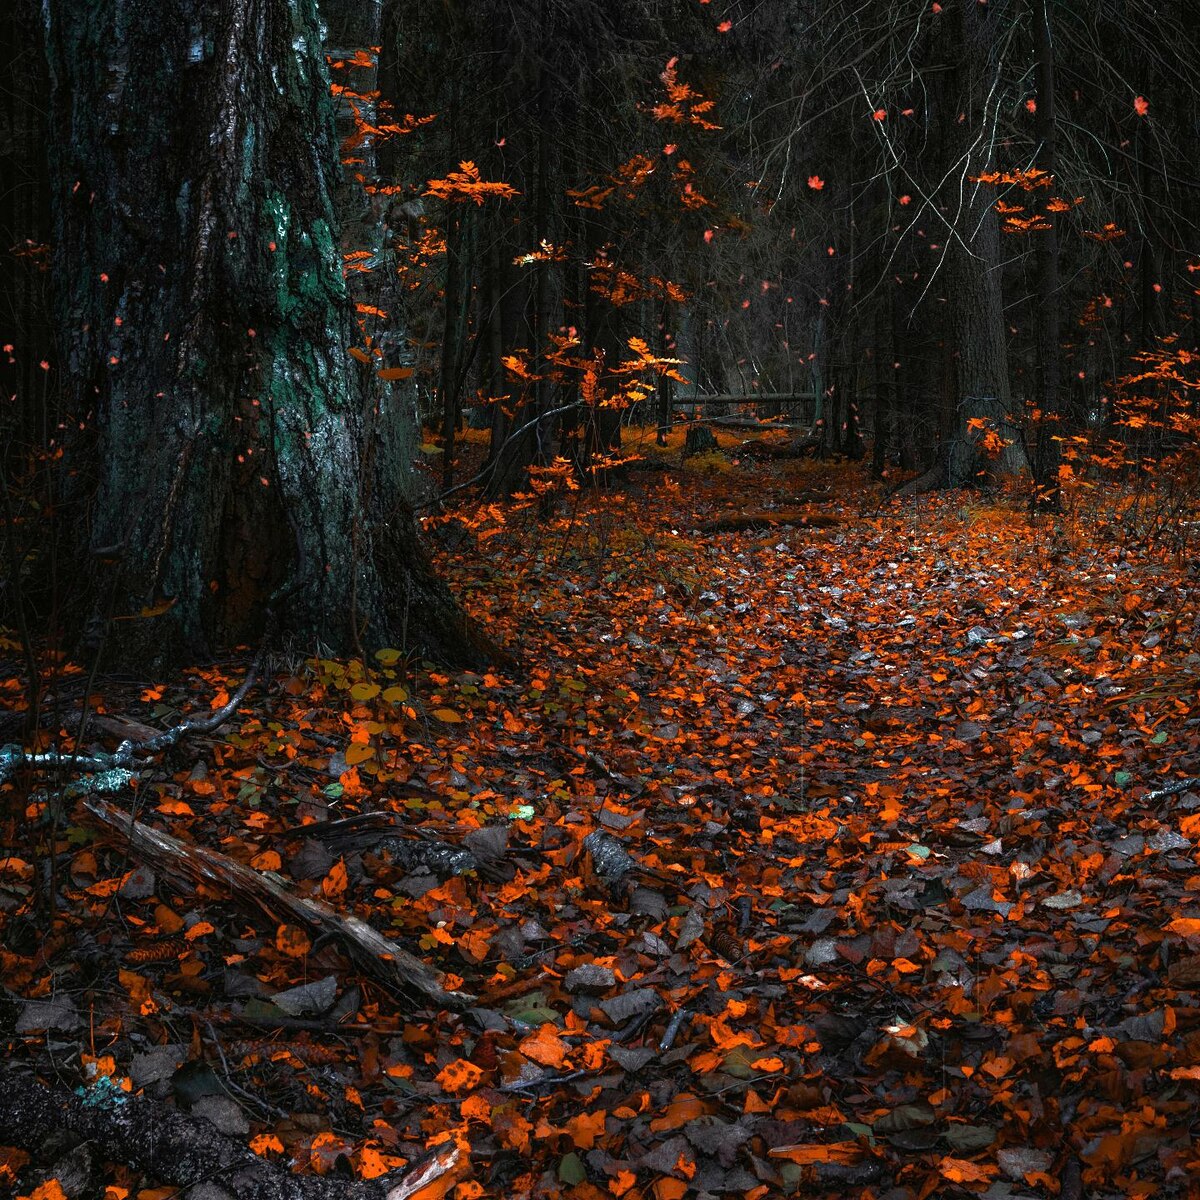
{"x": 237, "y": 459}
{"x": 24, "y": 309}
{"x": 981, "y": 382}
{"x": 1047, "y": 376}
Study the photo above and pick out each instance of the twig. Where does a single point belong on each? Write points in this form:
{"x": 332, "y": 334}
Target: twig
{"x": 1174, "y": 788}
{"x": 13, "y": 758}
{"x": 678, "y": 1020}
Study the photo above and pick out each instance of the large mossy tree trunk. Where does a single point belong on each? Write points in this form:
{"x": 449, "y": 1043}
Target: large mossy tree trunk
{"x": 234, "y": 456}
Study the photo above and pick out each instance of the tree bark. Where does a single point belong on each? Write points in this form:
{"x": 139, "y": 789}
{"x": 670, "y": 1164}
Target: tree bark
{"x": 981, "y": 382}
{"x": 182, "y": 1149}
{"x": 1047, "y": 454}
{"x": 236, "y": 459}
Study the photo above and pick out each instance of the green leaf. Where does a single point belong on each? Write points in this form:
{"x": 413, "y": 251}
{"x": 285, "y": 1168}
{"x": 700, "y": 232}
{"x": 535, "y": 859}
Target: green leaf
{"x": 1123, "y": 778}
{"x": 1159, "y": 738}
{"x": 571, "y": 1170}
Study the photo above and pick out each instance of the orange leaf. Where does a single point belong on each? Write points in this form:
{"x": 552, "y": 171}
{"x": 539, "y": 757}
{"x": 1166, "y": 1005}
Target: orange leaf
{"x": 459, "y": 1076}
{"x": 266, "y": 1143}
{"x": 668, "y": 1188}
{"x": 476, "y": 1108}
{"x": 807, "y": 1153}
{"x": 167, "y": 919}
{"x": 334, "y": 884}
{"x": 623, "y": 1182}
{"x": 292, "y": 941}
{"x": 1187, "y": 926}
{"x": 684, "y": 1108}
{"x": 545, "y": 1047}
{"x": 389, "y": 373}
{"x": 586, "y": 1128}
{"x": 958, "y": 1170}
{"x": 50, "y": 1190}
{"x": 768, "y": 1064}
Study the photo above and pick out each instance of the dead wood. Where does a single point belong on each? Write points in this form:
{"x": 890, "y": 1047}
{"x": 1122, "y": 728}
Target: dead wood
{"x": 409, "y": 848}
{"x": 1175, "y": 788}
{"x": 810, "y": 443}
{"x": 751, "y": 423}
{"x": 184, "y": 1150}
{"x": 375, "y": 956}
{"x": 765, "y": 519}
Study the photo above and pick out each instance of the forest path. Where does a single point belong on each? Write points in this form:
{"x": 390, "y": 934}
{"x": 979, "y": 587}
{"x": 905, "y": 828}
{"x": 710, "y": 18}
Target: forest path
{"x": 819, "y": 856}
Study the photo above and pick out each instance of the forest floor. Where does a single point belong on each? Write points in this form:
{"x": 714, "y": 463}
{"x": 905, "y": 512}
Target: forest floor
{"x": 878, "y": 899}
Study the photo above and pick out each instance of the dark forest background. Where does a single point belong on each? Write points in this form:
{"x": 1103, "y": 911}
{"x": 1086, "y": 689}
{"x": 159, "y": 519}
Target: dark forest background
{"x": 252, "y": 247}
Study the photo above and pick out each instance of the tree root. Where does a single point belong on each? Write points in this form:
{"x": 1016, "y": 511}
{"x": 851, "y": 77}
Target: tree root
{"x": 183, "y": 1150}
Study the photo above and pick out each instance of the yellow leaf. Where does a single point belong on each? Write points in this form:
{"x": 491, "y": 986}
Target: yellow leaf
{"x": 395, "y": 695}
{"x": 358, "y": 752}
{"x": 448, "y": 715}
{"x": 364, "y": 691}
{"x": 388, "y": 658}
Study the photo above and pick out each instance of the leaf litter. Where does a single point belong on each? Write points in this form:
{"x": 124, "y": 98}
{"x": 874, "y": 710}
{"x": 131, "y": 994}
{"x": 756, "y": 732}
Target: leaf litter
{"x": 822, "y": 856}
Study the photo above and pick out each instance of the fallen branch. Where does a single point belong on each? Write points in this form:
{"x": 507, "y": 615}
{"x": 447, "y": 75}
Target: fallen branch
{"x": 411, "y": 849}
{"x": 1175, "y": 788}
{"x": 382, "y": 960}
{"x": 169, "y": 1145}
{"x": 796, "y": 448}
{"x": 751, "y": 423}
{"x": 13, "y": 758}
{"x": 736, "y": 522}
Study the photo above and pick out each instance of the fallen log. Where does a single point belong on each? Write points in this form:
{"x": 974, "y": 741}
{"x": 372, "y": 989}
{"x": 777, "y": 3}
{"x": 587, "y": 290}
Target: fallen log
{"x": 401, "y": 973}
{"x": 183, "y": 1150}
